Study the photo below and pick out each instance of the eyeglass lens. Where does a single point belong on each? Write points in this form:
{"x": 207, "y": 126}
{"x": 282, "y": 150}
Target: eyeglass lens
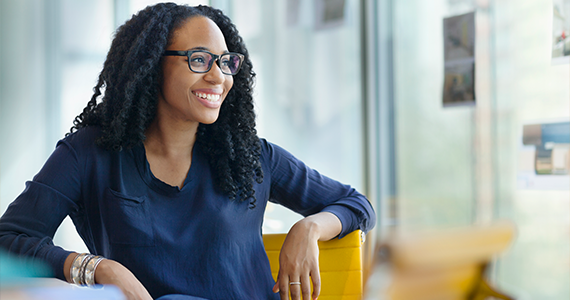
{"x": 202, "y": 62}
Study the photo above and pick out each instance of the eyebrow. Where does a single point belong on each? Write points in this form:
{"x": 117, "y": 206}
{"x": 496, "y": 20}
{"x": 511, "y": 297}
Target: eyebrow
{"x": 205, "y": 49}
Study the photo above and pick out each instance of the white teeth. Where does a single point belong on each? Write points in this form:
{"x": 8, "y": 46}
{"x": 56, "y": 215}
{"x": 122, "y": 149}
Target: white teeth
{"x": 209, "y": 97}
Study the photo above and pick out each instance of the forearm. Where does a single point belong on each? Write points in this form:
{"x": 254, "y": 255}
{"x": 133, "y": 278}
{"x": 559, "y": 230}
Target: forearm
{"x": 40, "y": 250}
{"x": 111, "y": 272}
{"x": 322, "y": 226}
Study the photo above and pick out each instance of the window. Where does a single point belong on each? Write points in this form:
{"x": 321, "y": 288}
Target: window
{"x": 462, "y": 165}
{"x": 308, "y": 93}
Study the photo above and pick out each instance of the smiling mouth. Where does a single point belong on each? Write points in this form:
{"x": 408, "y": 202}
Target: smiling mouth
{"x": 208, "y": 97}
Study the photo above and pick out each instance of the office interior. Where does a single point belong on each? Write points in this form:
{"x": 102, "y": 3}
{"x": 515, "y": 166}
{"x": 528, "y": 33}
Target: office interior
{"x": 356, "y": 89}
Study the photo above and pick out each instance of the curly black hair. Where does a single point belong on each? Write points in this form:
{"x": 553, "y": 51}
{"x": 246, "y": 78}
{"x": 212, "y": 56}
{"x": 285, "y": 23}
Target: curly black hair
{"x": 130, "y": 84}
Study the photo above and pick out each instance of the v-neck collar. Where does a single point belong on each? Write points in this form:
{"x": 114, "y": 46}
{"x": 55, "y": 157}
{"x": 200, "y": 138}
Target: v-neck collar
{"x": 158, "y": 185}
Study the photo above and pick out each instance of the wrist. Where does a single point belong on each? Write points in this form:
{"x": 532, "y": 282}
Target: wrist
{"x": 82, "y": 268}
{"x": 322, "y": 226}
{"x": 67, "y": 266}
{"x": 310, "y": 226}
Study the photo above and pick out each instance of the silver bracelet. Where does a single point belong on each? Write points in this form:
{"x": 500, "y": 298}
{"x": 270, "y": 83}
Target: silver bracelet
{"x": 75, "y": 270}
{"x": 83, "y": 266}
{"x": 89, "y": 274}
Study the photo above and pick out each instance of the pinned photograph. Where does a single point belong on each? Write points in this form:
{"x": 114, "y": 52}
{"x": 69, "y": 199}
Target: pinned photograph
{"x": 459, "y": 37}
{"x": 329, "y": 13}
{"x": 458, "y": 86}
{"x": 560, "y": 31}
{"x": 544, "y": 156}
{"x": 459, "y": 60}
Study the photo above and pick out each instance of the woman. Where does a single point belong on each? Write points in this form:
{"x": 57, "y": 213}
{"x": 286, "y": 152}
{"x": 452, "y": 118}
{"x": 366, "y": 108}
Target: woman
{"x": 166, "y": 180}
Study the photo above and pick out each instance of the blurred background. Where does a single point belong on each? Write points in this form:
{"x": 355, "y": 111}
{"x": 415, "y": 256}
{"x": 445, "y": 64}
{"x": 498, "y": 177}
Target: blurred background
{"x": 353, "y": 88}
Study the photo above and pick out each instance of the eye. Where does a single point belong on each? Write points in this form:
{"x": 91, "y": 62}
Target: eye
{"x": 198, "y": 60}
{"x": 230, "y": 62}
{"x": 225, "y": 61}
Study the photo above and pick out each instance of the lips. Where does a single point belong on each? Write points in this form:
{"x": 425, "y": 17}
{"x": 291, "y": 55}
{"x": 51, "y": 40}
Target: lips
{"x": 208, "y": 99}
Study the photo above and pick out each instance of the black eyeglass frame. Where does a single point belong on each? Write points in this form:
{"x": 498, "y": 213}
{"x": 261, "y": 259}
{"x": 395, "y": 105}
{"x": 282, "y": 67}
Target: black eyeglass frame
{"x": 215, "y": 58}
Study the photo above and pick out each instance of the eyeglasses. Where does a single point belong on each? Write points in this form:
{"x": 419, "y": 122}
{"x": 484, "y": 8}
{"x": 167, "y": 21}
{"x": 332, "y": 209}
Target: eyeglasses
{"x": 201, "y": 61}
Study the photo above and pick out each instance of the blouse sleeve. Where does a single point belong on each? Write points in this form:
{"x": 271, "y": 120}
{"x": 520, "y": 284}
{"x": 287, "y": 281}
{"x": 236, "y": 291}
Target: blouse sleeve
{"x": 305, "y": 191}
{"x": 30, "y": 222}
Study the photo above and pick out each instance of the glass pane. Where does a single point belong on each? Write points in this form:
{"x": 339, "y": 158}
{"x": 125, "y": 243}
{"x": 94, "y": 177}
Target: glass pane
{"x": 531, "y": 88}
{"x": 436, "y": 174}
{"x": 471, "y": 164}
{"x": 85, "y": 32}
{"x": 308, "y": 90}
{"x": 137, "y": 5}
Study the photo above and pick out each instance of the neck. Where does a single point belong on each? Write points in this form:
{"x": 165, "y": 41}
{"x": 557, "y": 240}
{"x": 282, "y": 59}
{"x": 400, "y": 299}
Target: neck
{"x": 168, "y": 147}
{"x": 170, "y": 140}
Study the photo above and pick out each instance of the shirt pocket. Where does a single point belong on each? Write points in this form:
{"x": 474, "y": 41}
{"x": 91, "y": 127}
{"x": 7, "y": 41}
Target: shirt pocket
{"x": 128, "y": 220}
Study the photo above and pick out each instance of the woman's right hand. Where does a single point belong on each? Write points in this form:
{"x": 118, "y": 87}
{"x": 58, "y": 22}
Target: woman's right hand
{"x": 111, "y": 272}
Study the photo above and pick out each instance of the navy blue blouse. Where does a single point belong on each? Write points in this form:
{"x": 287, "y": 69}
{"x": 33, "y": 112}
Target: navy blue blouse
{"x": 192, "y": 241}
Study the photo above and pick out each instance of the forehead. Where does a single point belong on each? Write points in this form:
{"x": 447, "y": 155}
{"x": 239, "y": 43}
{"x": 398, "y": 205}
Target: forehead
{"x": 198, "y": 31}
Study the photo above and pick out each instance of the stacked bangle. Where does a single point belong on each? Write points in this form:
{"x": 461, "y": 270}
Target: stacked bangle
{"x": 83, "y": 269}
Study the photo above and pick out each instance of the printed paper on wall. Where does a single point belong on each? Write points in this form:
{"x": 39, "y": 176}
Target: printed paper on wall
{"x": 560, "y": 31}
{"x": 459, "y": 60}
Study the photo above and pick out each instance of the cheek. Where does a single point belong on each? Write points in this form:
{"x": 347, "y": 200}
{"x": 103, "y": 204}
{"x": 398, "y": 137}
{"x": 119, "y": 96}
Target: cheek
{"x": 229, "y": 84}
{"x": 168, "y": 90}
{"x": 176, "y": 86}
{"x": 167, "y": 84}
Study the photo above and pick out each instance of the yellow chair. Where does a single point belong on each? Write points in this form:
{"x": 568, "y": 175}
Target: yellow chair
{"x": 340, "y": 263}
{"x": 441, "y": 265}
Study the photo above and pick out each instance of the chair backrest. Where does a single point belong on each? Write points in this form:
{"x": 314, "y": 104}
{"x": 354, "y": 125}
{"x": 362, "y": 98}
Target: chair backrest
{"x": 448, "y": 264}
{"x": 340, "y": 263}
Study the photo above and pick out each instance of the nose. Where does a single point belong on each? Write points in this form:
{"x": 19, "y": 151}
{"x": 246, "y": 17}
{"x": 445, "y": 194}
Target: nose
{"x": 215, "y": 74}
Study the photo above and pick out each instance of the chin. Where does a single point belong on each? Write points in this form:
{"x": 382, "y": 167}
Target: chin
{"x": 208, "y": 121}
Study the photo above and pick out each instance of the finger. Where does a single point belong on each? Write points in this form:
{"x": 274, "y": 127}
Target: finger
{"x": 316, "y": 278}
{"x": 284, "y": 288}
{"x": 276, "y": 286}
{"x": 295, "y": 289}
{"x": 306, "y": 287}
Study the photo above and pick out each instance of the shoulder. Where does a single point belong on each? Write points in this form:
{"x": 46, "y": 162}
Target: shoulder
{"x": 275, "y": 156}
{"x": 85, "y": 135}
{"x": 82, "y": 140}
{"x": 269, "y": 151}
{"x": 270, "y": 148}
